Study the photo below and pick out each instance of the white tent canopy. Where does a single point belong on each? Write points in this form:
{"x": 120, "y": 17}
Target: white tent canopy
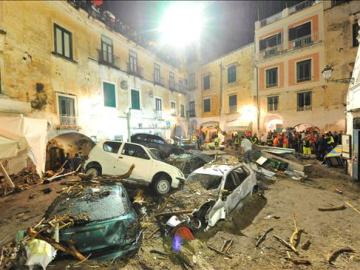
{"x": 19, "y": 133}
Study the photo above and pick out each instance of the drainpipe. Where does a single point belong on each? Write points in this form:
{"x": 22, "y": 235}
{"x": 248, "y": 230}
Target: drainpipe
{"x": 221, "y": 92}
{"x": 257, "y": 101}
{"x": 128, "y": 116}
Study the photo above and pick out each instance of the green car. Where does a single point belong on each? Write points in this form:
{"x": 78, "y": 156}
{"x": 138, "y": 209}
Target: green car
{"x": 108, "y": 226}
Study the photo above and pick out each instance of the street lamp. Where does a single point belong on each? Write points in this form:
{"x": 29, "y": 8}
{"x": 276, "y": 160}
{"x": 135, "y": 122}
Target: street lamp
{"x": 327, "y": 73}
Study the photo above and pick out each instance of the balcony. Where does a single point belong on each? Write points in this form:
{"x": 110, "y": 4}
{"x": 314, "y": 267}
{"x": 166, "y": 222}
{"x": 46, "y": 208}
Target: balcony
{"x": 233, "y": 109}
{"x": 172, "y": 85}
{"x": 68, "y": 122}
{"x": 191, "y": 113}
{"x": 192, "y": 86}
{"x": 158, "y": 114}
{"x": 135, "y": 70}
{"x": 108, "y": 59}
{"x": 302, "y": 42}
{"x": 271, "y": 51}
{"x": 271, "y": 19}
{"x": 158, "y": 80}
{"x": 301, "y": 6}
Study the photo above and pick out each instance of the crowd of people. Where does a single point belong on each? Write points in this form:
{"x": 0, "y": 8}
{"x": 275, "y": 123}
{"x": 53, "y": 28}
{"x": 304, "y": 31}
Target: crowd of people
{"x": 307, "y": 142}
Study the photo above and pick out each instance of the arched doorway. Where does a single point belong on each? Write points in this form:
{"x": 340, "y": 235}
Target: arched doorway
{"x": 273, "y": 122}
{"x": 64, "y": 146}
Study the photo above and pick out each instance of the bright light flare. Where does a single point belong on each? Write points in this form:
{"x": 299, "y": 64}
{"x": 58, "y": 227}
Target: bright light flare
{"x": 248, "y": 113}
{"x": 182, "y": 23}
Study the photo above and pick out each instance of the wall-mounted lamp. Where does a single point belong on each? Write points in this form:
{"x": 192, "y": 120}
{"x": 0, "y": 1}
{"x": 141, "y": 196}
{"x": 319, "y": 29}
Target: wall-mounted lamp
{"x": 327, "y": 73}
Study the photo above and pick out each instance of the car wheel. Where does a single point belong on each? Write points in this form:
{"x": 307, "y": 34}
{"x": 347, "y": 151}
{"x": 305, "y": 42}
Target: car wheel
{"x": 162, "y": 185}
{"x": 93, "y": 170}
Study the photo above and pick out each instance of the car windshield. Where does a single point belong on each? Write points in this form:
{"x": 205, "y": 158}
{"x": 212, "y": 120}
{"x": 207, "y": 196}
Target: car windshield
{"x": 94, "y": 203}
{"x": 207, "y": 181}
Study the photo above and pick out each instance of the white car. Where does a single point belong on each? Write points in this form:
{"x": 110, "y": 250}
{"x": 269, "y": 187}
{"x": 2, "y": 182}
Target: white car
{"x": 115, "y": 158}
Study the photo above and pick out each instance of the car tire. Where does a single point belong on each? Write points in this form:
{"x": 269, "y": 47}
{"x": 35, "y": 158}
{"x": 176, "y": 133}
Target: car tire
{"x": 93, "y": 170}
{"x": 162, "y": 185}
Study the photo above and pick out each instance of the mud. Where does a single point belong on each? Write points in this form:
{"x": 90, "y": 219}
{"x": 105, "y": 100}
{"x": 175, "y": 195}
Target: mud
{"x": 327, "y": 231}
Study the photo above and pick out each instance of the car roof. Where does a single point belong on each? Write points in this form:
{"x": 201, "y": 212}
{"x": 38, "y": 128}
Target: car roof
{"x": 216, "y": 169}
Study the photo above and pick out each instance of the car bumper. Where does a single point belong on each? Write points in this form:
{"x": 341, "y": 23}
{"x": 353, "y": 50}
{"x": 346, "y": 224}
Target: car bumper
{"x": 178, "y": 182}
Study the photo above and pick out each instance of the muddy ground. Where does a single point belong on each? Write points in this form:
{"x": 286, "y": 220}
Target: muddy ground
{"x": 327, "y": 231}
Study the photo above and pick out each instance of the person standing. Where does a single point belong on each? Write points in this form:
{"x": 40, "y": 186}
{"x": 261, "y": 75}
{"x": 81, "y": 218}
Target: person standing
{"x": 246, "y": 147}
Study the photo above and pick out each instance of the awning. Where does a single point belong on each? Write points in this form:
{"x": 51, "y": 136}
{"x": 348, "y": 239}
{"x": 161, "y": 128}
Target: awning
{"x": 237, "y": 124}
{"x": 11, "y": 148}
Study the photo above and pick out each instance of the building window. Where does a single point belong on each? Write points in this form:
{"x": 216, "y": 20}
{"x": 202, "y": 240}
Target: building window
{"x": 133, "y": 66}
{"x": 338, "y": 2}
{"x": 63, "y": 42}
{"x": 173, "y": 108}
{"x": 158, "y": 104}
{"x": 135, "y": 99}
{"x": 271, "y": 77}
{"x": 270, "y": 42}
{"x": 157, "y": 73}
{"x": 304, "y": 101}
{"x": 192, "y": 109}
{"x": 303, "y": 70}
{"x": 231, "y": 74}
{"x": 233, "y": 103}
{"x": 207, "y": 105}
{"x": 182, "y": 110}
{"x": 192, "y": 84}
{"x": 300, "y": 35}
{"x": 67, "y": 110}
{"x": 109, "y": 95}
{"x": 171, "y": 80}
{"x": 355, "y": 29}
{"x": 272, "y": 103}
{"x": 107, "y": 50}
{"x": 206, "y": 82}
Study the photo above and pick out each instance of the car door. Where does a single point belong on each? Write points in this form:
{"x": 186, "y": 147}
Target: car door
{"x": 243, "y": 181}
{"x": 136, "y": 154}
{"x": 109, "y": 159}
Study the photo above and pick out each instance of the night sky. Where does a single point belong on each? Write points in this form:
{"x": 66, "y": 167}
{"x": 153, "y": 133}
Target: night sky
{"x": 230, "y": 24}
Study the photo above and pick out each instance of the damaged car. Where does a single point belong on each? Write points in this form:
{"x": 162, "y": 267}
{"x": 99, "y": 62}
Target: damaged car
{"x": 104, "y": 225}
{"x": 115, "y": 158}
{"x": 222, "y": 189}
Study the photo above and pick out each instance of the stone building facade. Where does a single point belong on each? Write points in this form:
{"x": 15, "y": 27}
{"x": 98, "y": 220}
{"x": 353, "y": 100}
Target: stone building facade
{"x": 59, "y": 63}
{"x": 292, "y": 49}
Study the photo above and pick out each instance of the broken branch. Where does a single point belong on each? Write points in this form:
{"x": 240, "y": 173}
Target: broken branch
{"x": 286, "y": 244}
{"x": 218, "y": 251}
{"x": 353, "y": 207}
{"x": 299, "y": 261}
{"x": 333, "y": 256}
{"x": 335, "y": 208}
{"x": 262, "y": 237}
{"x": 174, "y": 213}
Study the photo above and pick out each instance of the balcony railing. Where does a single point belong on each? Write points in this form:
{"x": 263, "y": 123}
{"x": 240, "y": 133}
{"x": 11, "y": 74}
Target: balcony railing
{"x": 272, "y": 51}
{"x": 108, "y": 59}
{"x": 302, "y": 42}
{"x": 68, "y": 121}
{"x": 158, "y": 80}
{"x": 233, "y": 109}
{"x": 271, "y": 19}
{"x": 172, "y": 85}
{"x": 158, "y": 114}
{"x": 301, "y": 6}
{"x": 135, "y": 70}
{"x": 191, "y": 113}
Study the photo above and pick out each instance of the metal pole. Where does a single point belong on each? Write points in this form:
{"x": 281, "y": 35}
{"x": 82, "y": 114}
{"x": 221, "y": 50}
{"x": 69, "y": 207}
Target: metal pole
{"x": 221, "y": 92}
{"x": 257, "y": 101}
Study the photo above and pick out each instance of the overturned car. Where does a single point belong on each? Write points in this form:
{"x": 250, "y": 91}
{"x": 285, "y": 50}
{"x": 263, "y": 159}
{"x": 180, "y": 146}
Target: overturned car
{"x": 215, "y": 190}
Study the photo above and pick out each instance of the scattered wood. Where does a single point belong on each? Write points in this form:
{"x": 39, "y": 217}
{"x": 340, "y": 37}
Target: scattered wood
{"x": 299, "y": 261}
{"x": 187, "y": 211}
{"x": 306, "y": 245}
{"x": 295, "y": 236}
{"x": 263, "y": 236}
{"x": 334, "y": 208}
{"x": 158, "y": 252}
{"x": 353, "y": 207}
{"x": 286, "y": 244}
{"x": 227, "y": 245}
{"x": 333, "y": 256}
{"x": 153, "y": 233}
{"x": 219, "y": 251}
{"x": 7, "y": 178}
{"x": 338, "y": 191}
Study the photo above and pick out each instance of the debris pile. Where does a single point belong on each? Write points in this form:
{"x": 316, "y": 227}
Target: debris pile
{"x": 22, "y": 180}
